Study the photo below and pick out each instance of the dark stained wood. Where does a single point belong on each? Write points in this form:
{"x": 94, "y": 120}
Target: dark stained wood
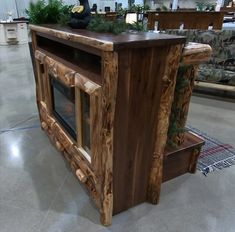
{"x": 191, "y": 20}
{"x": 106, "y": 41}
{"x": 178, "y": 161}
{"x": 228, "y": 9}
{"x": 136, "y": 121}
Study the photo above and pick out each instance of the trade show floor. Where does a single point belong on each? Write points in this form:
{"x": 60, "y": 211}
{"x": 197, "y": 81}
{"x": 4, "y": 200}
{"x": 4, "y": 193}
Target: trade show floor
{"x": 39, "y": 193}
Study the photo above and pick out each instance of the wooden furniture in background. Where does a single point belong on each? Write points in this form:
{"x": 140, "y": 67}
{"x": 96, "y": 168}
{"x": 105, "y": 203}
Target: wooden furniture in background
{"x": 111, "y": 16}
{"x": 190, "y": 20}
{"x": 15, "y": 32}
{"x": 229, "y": 14}
{"x": 127, "y": 84}
{"x": 107, "y": 15}
{"x": 228, "y": 9}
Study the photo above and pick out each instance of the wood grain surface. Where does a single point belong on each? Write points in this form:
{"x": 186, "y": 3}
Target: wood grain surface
{"x": 108, "y": 41}
{"x": 166, "y": 100}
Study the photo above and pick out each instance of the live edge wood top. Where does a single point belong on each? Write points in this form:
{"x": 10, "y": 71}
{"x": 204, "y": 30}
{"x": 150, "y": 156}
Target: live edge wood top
{"x": 106, "y": 41}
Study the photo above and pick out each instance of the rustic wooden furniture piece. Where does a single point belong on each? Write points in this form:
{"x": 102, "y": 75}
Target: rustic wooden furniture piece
{"x": 190, "y": 20}
{"x": 126, "y": 85}
{"x": 111, "y": 121}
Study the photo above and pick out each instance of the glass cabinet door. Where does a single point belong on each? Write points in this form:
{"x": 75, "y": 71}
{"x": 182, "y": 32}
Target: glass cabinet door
{"x": 85, "y": 121}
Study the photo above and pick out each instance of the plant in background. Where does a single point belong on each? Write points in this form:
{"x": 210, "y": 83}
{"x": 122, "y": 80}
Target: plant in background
{"x": 210, "y": 6}
{"x": 176, "y": 112}
{"x": 136, "y": 26}
{"x": 56, "y": 12}
{"x": 138, "y": 8}
{"x": 64, "y": 17}
{"x": 53, "y": 12}
{"x": 205, "y": 6}
{"x": 200, "y": 6}
{"x": 164, "y": 8}
{"x": 36, "y": 12}
{"x": 121, "y": 12}
{"x": 100, "y": 24}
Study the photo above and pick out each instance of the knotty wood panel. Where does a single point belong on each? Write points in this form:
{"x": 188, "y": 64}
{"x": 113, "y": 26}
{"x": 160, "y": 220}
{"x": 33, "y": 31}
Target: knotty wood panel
{"x": 108, "y": 95}
{"x": 193, "y": 55}
{"x": 166, "y": 100}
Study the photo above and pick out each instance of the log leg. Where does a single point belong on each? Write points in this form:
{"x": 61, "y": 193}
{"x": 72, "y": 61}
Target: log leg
{"x": 109, "y": 90}
{"x": 169, "y": 81}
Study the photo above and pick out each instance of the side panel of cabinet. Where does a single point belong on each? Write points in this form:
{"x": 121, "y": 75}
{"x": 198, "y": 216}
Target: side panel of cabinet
{"x": 143, "y": 76}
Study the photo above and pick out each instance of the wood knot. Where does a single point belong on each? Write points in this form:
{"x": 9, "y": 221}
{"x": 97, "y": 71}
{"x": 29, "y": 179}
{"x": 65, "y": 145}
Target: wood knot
{"x": 44, "y": 126}
{"x": 59, "y": 146}
{"x": 81, "y": 176}
{"x": 166, "y": 79}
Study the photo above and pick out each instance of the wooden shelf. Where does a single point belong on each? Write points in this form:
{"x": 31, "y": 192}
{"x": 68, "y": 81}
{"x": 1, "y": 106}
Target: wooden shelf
{"x": 183, "y": 159}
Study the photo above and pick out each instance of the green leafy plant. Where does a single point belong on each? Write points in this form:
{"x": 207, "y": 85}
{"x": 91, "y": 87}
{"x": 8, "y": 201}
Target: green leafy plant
{"x": 205, "y": 6}
{"x": 138, "y": 8}
{"x": 100, "y": 24}
{"x": 53, "y": 12}
{"x": 164, "y": 8}
{"x": 36, "y": 12}
{"x": 176, "y": 112}
{"x": 200, "y": 6}
{"x": 136, "y": 26}
{"x": 65, "y": 14}
{"x": 210, "y": 6}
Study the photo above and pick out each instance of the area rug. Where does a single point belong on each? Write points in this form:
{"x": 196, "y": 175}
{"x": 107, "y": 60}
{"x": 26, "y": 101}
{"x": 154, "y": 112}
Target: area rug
{"x": 215, "y": 155}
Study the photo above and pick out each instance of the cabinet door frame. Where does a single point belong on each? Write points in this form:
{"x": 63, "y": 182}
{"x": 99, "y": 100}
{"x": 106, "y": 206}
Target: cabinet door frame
{"x": 93, "y": 90}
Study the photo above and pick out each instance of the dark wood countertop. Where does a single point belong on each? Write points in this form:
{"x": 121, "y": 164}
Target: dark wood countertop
{"x": 106, "y": 41}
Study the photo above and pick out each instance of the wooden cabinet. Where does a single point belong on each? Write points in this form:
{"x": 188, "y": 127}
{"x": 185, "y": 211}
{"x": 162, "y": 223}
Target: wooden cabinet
{"x": 203, "y": 20}
{"x": 104, "y": 100}
{"x": 15, "y": 32}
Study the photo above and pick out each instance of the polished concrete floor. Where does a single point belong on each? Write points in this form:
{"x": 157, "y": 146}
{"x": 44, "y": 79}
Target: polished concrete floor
{"x": 39, "y": 193}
